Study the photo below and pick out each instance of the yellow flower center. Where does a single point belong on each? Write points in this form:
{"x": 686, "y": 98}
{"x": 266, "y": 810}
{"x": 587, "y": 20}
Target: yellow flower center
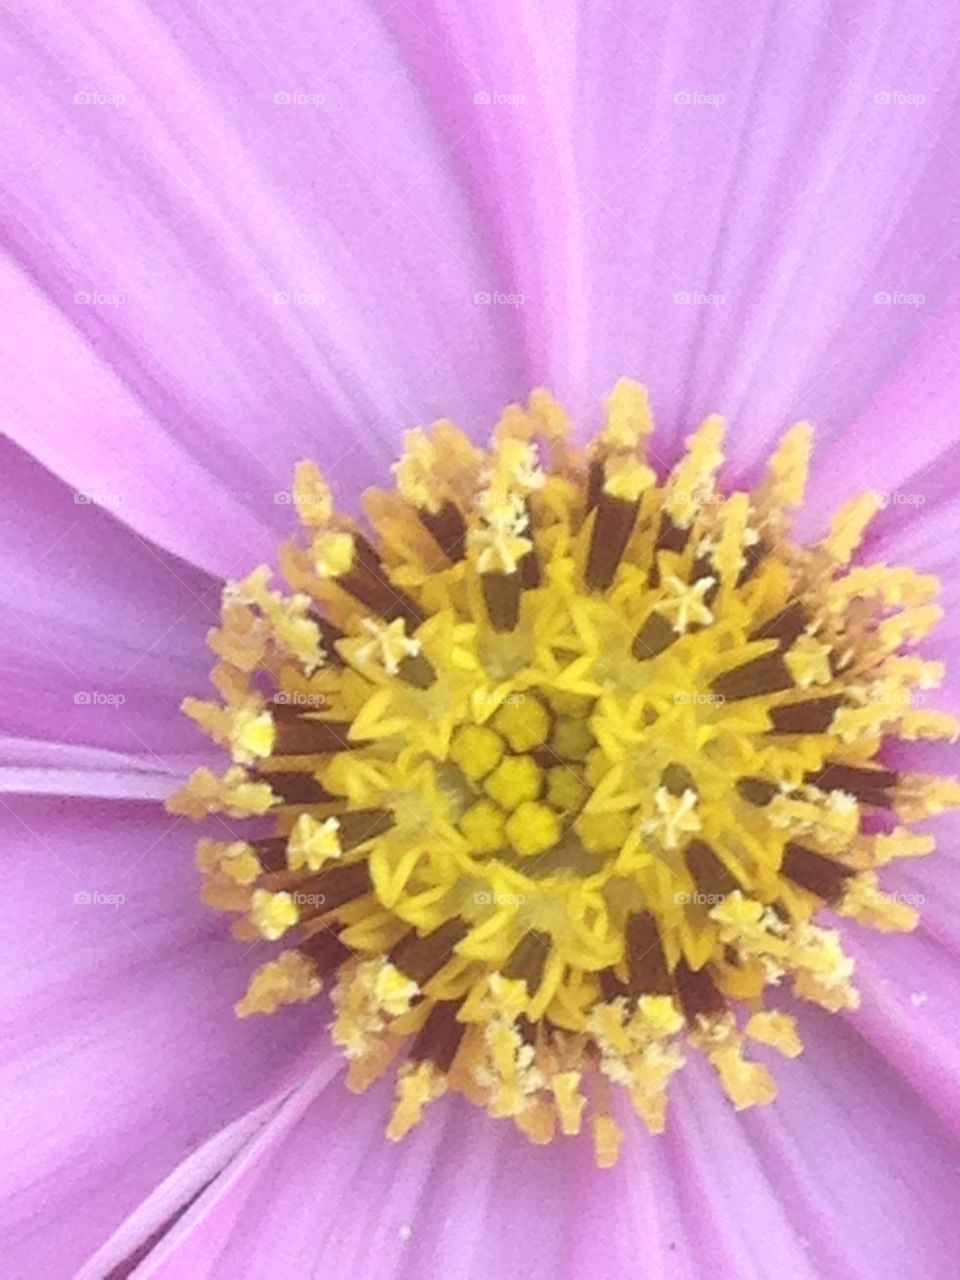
{"x": 560, "y": 764}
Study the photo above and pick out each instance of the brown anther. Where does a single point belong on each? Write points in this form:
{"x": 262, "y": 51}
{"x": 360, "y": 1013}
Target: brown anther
{"x": 448, "y": 529}
{"x": 646, "y": 966}
{"x": 755, "y": 679}
{"x": 613, "y": 525}
{"x": 814, "y": 716}
{"x": 710, "y": 875}
{"x": 439, "y": 1038}
{"x": 654, "y": 636}
{"x": 815, "y": 872}
{"x": 699, "y": 997}
{"x": 528, "y": 959}
{"x": 501, "y": 595}
{"x": 757, "y": 791}
{"x": 871, "y": 786}
{"x": 294, "y": 788}
{"x": 421, "y": 957}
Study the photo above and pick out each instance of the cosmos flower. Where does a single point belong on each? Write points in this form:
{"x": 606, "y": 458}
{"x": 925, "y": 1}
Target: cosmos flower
{"x": 563, "y": 781}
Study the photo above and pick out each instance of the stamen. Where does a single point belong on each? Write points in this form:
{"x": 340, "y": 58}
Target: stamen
{"x": 646, "y": 964}
{"x": 501, "y": 593}
{"x": 813, "y": 871}
{"x": 814, "y": 716}
{"x": 755, "y": 679}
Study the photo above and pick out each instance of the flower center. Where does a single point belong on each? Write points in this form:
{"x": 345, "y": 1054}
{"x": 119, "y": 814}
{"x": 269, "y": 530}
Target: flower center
{"x": 559, "y": 765}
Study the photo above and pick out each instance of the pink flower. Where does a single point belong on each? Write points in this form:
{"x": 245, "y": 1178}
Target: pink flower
{"x": 240, "y": 236}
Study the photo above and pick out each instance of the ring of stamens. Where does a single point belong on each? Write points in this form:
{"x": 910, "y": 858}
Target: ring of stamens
{"x": 556, "y": 768}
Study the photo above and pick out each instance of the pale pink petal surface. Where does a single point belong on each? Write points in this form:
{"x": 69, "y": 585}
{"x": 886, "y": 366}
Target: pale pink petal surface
{"x": 122, "y": 1052}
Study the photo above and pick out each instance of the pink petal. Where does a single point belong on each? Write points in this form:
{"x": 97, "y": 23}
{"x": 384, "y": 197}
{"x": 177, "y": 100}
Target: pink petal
{"x": 102, "y": 634}
{"x": 30, "y": 766}
{"x": 911, "y": 982}
{"x": 175, "y": 1195}
{"x": 795, "y": 200}
{"x": 121, "y": 1049}
{"x": 905, "y": 445}
{"x": 820, "y": 1184}
{"x": 851, "y": 1154}
{"x": 226, "y": 281}
{"x": 323, "y": 1182}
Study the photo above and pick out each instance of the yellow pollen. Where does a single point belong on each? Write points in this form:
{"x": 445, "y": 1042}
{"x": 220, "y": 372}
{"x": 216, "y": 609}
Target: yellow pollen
{"x": 312, "y": 843}
{"x": 676, "y": 817}
{"x": 332, "y": 553}
{"x": 683, "y": 604}
{"x": 235, "y": 861}
{"x": 388, "y": 645}
{"x": 808, "y": 661}
{"x": 273, "y": 913}
{"x": 557, "y": 765}
{"x": 626, "y": 478}
{"x": 290, "y": 979}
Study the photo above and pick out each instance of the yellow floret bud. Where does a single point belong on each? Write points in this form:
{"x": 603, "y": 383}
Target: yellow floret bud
{"x": 524, "y": 722}
{"x": 566, "y": 703}
{"x": 571, "y": 738}
{"x": 533, "y": 828}
{"x": 515, "y": 780}
{"x": 482, "y": 825}
{"x": 596, "y": 766}
{"x": 566, "y": 789}
{"x": 477, "y": 749}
